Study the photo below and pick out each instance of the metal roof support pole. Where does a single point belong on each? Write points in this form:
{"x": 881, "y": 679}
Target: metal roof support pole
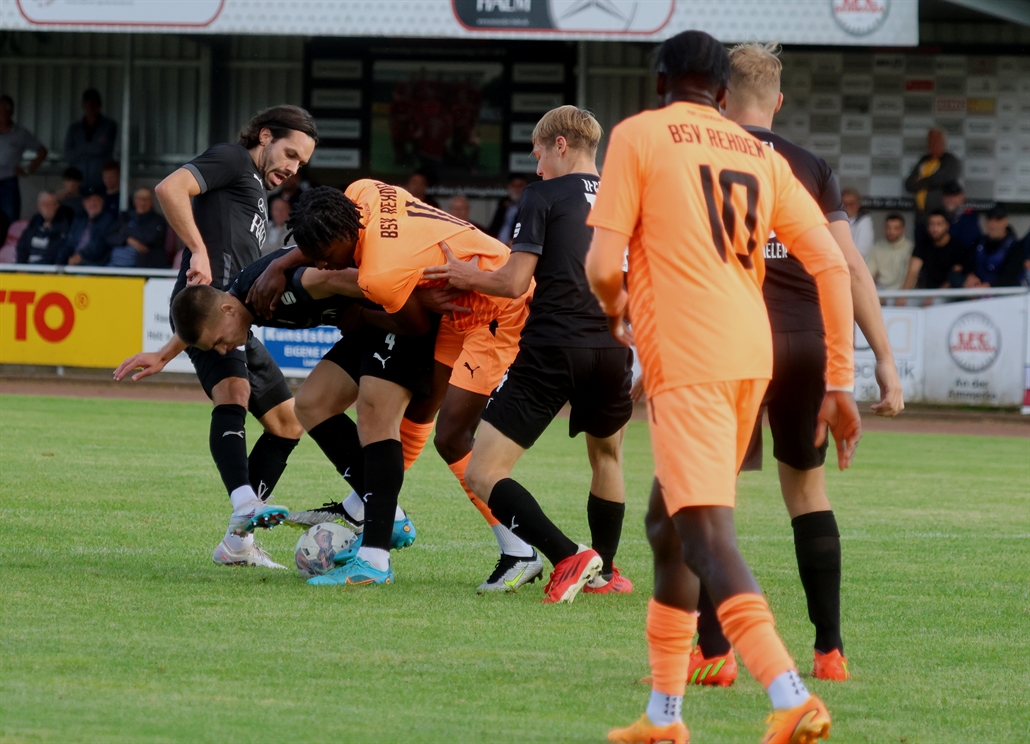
{"x": 581, "y": 74}
{"x": 126, "y": 126}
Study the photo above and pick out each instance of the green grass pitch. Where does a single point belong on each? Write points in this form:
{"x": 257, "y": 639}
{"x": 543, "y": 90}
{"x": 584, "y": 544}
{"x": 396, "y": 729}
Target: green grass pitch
{"x": 117, "y": 627}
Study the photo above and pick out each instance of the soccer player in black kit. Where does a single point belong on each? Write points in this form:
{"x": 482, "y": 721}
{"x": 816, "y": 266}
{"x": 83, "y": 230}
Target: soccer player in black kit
{"x": 798, "y": 386}
{"x": 566, "y": 355}
{"x": 216, "y": 204}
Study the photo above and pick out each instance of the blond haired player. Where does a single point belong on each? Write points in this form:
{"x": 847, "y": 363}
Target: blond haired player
{"x": 798, "y": 385}
{"x": 566, "y": 355}
{"x": 696, "y": 197}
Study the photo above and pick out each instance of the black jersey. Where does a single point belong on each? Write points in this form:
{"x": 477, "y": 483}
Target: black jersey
{"x": 296, "y": 308}
{"x": 790, "y": 292}
{"x": 552, "y": 223}
{"x": 230, "y": 211}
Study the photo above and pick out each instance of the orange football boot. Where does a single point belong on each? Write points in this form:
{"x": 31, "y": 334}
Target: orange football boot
{"x": 645, "y": 732}
{"x": 718, "y": 671}
{"x": 617, "y": 584}
{"x": 832, "y": 666}
{"x": 804, "y": 724}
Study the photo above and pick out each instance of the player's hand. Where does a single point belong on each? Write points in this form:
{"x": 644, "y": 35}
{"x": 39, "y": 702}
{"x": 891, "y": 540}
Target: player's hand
{"x": 199, "y": 271}
{"x": 149, "y": 363}
{"x": 441, "y": 300}
{"x": 267, "y": 290}
{"x": 892, "y": 400}
{"x": 839, "y": 414}
{"x": 457, "y": 274}
{"x": 619, "y": 328}
{"x": 636, "y": 393}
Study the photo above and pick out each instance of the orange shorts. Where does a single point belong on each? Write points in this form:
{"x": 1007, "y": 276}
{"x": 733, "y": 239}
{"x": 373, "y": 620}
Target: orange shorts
{"x": 699, "y": 434}
{"x": 480, "y": 356}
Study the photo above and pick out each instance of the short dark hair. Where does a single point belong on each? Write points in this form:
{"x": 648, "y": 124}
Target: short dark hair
{"x": 92, "y": 95}
{"x": 938, "y": 213}
{"x": 280, "y": 120}
{"x": 191, "y": 309}
{"x": 319, "y": 217}
{"x": 111, "y": 165}
{"x": 72, "y": 174}
{"x": 694, "y": 53}
{"x": 5, "y": 97}
{"x": 952, "y": 188}
{"x": 895, "y": 216}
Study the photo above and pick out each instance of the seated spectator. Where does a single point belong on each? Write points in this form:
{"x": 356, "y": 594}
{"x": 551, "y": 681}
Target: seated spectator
{"x": 997, "y": 259}
{"x": 503, "y": 223}
{"x": 965, "y": 223}
{"x": 45, "y": 233}
{"x": 417, "y": 184}
{"x": 291, "y": 189}
{"x": 86, "y": 244}
{"x": 888, "y": 260}
{"x": 938, "y": 260}
{"x": 459, "y": 207}
{"x": 9, "y": 250}
{"x": 137, "y": 238}
{"x": 276, "y": 231}
{"x": 861, "y": 223}
{"x": 70, "y": 194}
{"x": 112, "y": 175}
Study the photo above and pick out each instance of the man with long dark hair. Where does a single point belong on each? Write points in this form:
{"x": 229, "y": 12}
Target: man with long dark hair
{"x": 216, "y": 203}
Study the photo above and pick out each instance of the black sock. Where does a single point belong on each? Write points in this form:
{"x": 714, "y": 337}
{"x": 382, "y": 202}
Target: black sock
{"x": 267, "y": 462}
{"x": 228, "y": 441}
{"x": 516, "y": 509}
{"x": 817, "y": 545}
{"x": 384, "y": 476}
{"x": 709, "y": 631}
{"x": 338, "y": 438}
{"x": 605, "y": 519}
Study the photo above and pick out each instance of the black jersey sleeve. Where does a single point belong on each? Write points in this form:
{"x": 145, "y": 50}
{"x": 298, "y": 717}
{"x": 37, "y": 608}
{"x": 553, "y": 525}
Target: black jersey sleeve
{"x": 218, "y": 166}
{"x": 829, "y": 198}
{"x": 531, "y": 223}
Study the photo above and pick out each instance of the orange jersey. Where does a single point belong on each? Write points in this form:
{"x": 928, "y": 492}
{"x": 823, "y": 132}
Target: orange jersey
{"x": 402, "y": 237}
{"x": 698, "y": 196}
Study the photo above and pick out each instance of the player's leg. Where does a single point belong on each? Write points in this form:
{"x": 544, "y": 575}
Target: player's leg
{"x": 271, "y": 403}
{"x": 801, "y": 359}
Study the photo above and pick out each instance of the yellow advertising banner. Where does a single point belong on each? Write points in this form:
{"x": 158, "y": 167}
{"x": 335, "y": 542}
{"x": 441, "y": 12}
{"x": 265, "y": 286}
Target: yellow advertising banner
{"x": 76, "y": 321}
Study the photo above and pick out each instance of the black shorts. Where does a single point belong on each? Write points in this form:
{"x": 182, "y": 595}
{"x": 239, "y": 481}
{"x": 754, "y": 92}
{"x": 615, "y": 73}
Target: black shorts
{"x": 373, "y": 352}
{"x": 253, "y": 363}
{"x": 793, "y": 400}
{"x": 542, "y": 379}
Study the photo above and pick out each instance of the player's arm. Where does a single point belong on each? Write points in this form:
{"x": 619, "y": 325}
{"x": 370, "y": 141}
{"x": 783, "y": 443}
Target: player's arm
{"x": 265, "y": 293}
{"x": 870, "y": 319}
{"x": 511, "y": 280}
{"x": 150, "y": 363}
{"x": 604, "y": 273}
{"x": 322, "y": 283}
{"x": 175, "y": 193}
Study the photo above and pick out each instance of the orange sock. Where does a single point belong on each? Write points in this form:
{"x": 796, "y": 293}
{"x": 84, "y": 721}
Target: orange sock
{"x": 670, "y": 637}
{"x": 413, "y": 439}
{"x": 748, "y": 625}
{"x": 458, "y": 468}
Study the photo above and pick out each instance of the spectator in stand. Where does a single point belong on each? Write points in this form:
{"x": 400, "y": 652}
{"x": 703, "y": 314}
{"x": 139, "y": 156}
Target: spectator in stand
{"x": 292, "y": 188}
{"x": 888, "y": 260}
{"x": 862, "y": 231}
{"x": 89, "y": 143}
{"x": 137, "y": 237}
{"x": 502, "y": 226}
{"x": 112, "y": 177}
{"x": 459, "y": 207}
{"x": 70, "y": 194}
{"x": 997, "y": 258}
{"x": 14, "y": 141}
{"x": 276, "y": 231}
{"x": 46, "y": 233}
{"x": 417, "y": 184}
{"x": 927, "y": 179}
{"x": 86, "y": 244}
{"x": 965, "y": 223}
{"x": 938, "y": 260}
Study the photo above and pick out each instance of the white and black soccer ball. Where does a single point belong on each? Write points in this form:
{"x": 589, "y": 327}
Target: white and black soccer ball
{"x": 317, "y": 548}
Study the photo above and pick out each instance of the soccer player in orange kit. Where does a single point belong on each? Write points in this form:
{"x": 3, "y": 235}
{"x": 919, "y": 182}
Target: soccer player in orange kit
{"x": 696, "y": 197}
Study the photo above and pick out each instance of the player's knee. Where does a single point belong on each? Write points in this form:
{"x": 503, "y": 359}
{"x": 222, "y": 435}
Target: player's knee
{"x": 451, "y": 443}
{"x": 232, "y": 391}
{"x": 306, "y": 409}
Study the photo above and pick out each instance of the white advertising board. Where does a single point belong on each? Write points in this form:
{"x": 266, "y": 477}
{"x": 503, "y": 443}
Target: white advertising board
{"x": 875, "y": 23}
{"x": 975, "y": 352}
{"x": 906, "y": 333}
{"x": 157, "y": 331}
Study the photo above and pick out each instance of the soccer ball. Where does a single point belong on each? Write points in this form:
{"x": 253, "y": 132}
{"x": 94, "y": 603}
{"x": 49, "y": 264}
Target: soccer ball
{"x": 317, "y": 547}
